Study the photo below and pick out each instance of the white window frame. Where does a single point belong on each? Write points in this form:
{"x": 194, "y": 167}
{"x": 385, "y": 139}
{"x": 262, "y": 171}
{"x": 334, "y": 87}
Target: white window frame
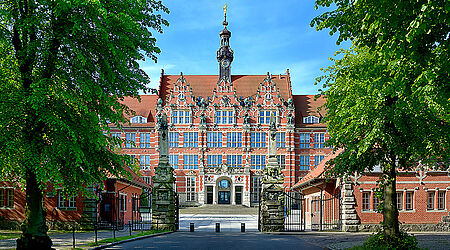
{"x": 305, "y": 140}
{"x": 234, "y": 161}
{"x": 365, "y": 198}
{"x": 123, "y": 202}
{"x": 281, "y": 140}
{"x": 318, "y": 159}
{"x": 129, "y": 138}
{"x": 190, "y": 139}
{"x": 304, "y": 162}
{"x": 190, "y": 161}
{"x": 214, "y": 160}
{"x": 181, "y": 116}
{"x": 264, "y": 116}
{"x": 214, "y": 139}
{"x": 257, "y": 161}
{"x": 174, "y": 161}
{"x": 256, "y": 188}
{"x": 138, "y": 119}
{"x": 319, "y": 140}
{"x": 174, "y": 139}
{"x": 441, "y": 200}
{"x": 224, "y": 117}
{"x": 258, "y": 139}
{"x": 311, "y": 119}
{"x": 190, "y": 188}
{"x": 145, "y": 140}
{"x": 144, "y": 162}
{"x": 234, "y": 139}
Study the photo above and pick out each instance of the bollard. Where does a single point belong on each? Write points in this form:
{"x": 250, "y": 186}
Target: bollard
{"x": 142, "y": 226}
{"x": 129, "y": 225}
{"x": 73, "y": 235}
{"x": 192, "y": 227}
{"x": 242, "y": 227}
{"x": 157, "y": 225}
{"x": 217, "y": 227}
{"x": 114, "y": 230}
{"x": 95, "y": 231}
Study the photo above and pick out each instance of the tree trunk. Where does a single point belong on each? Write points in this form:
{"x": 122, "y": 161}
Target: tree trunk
{"x": 390, "y": 211}
{"x": 34, "y": 229}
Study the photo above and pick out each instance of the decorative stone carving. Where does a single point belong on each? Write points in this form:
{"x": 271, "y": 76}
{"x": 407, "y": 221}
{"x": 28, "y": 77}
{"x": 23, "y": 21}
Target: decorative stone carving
{"x": 163, "y": 216}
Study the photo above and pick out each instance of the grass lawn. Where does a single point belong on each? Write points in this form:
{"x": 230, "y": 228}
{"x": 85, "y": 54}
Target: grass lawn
{"x": 109, "y": 240}
{"x": 9, "y": 234}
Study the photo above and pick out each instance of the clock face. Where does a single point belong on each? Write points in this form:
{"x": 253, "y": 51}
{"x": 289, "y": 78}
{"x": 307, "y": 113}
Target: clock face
{"x": 225, "y": 63}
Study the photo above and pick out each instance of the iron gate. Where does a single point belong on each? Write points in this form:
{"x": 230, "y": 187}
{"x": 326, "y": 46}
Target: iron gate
{"x": 141, "y": 215}
{"x": 326, "y": 213}
{"x": 177, "y": 212}
{"x": 111, "y": 211}
{"x": 294, "y": 211}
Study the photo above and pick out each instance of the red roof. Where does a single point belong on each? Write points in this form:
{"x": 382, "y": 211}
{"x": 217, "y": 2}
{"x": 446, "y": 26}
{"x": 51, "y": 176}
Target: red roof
{"x": 318, "y": 172}
{"x": 135, "y": 178}
{"x": 203, "y": 85}
{"x": 306, "y": 105}
{"x": 145, "y": 108}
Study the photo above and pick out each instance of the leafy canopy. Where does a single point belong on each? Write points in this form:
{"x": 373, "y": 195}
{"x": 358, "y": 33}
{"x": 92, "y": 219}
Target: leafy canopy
{"x": 64, "y": 67}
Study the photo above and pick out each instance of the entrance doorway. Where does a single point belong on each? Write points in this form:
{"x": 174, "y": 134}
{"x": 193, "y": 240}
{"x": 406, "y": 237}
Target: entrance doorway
{"x": 238, "y": 195}
{"x": 209, "y": 195}
{"x": 224, "y": 197}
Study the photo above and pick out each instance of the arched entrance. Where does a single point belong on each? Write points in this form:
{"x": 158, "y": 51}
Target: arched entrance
{"x": 224, "y": 187}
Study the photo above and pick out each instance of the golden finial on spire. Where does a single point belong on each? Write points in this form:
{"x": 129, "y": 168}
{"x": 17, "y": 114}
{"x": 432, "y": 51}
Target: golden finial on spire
{"x": 225, "y": 10}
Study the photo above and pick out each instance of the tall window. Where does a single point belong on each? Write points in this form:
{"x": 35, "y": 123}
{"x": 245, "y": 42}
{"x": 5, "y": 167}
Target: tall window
{"x": 441, "y": 200}
{"x": 213, "y": 160}
{"x": 281, "y": 140}
{"x": 319, "y": 140}
{"x": 311, "y": 119}
{"x": 409, "y": 200}
{"x": 365, "y": 201}
{"x": 145, "y": 162}
{"x": 399, "y": 200}
{"x": 145, "y": 140}
{"x": 147, "y": 179}
{"x": 214, "y": 139}
{"x": 304, "y": 140}
{"x": 123, "y": 202}
{"x": 116, "y": 134}
{"x": 257, "y": 161}
{"x": 281, "y": 161}
{"x": 174, "y": 139}
{"x": 173, "y": 161}
{"x": 181, "y": 117}
{"x": 66, "y": 202}
{"x": 234, "y": 139}
{"x": 224, "y": 117}
{"x": 376, "y": 202}
{"x": 256, "y": 188}
{"x": 234, "y": 160}
{"x": 264, "y": 116}
{"x": 7, "y": 197}
{"x": 257, "y": 139}
{"x": 190, "y": 188}
{"x": 190, "y": 139}
{"x": 130, "y": 140}
{"x": 304, "y": 162}
{"x": 318, "y": 159}
{"x": 430, "y": 200}
{"x": 190, "y": 161}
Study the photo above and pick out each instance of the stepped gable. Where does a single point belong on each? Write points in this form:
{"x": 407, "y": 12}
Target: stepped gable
{"x": 204, "y": 85}
{"x": 306, "y": 105}
{"x": 145, "y": 108}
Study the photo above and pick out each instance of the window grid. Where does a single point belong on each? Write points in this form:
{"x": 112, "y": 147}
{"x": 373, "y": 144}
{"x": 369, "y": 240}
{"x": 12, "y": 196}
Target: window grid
{"x": 130, "y": 140}
{"x": 7, "y": 197}
{"x": 264, "y": 116}
{"x": 257, "y": 161}
{"x": 281, "y": 161}
{"x": 234, "y": 160}
{"x": 190, "y": 139}
{"x": 224, "y": 117}
{"x": 376, "y": 202}
{"x": 257, "y": 139}
{"x": 409, "y": 200}
{"x": 319, "y": 140}
{"x": 441, "y": 200}
{"x": 234, "y": 139}
{"x": 214, "y": 139}
{"x": 64, "y": 202}
{"x": 173, "y": 161}
{"x": 256, "y": 188}
{"x": 145, "y": 140}
{"x": 304, "y": 162}
{"x": 281, "y": 140}
{"x": 123, "y": 202}
{"x": 174, "y": 139}
{"x": 190, "y": 161}
{"x": 144, "y": 162}
{"x": 399, "y": 199}
{"x": 304, "y": 140}
{"x": 430, "y": 200}
{"x": 365, "y": 201}
{"x": 310, "y": 119}
{"x": 190, "y": 188}
{"x": 213, "y": 160}
{"x": 138, "y": 119}
{"x": 181, "y": 117}
{"x": 318, "y": 159}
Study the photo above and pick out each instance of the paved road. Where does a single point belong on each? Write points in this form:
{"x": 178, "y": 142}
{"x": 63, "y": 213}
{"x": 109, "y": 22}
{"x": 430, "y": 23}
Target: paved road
{"x": 228, "y": 222}
{"x": 222, "y": 240}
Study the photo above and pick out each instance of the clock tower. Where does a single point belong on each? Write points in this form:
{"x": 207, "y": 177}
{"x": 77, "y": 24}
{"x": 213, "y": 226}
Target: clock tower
{"x": 225, "y": 53}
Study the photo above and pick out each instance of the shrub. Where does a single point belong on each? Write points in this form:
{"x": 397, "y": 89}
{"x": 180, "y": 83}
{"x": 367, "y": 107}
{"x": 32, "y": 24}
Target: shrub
{"x": 380, "y": 241}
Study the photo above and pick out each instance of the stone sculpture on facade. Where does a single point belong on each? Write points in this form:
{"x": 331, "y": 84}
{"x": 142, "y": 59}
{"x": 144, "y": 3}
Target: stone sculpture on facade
{"x": 272, "y": 198}
{"x": 163, "y": 199}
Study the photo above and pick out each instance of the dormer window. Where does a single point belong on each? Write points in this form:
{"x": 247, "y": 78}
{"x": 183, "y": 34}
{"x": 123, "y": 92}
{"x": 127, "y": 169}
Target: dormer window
{"x": 311, "y": 119}
{"x": 139, "y": 119}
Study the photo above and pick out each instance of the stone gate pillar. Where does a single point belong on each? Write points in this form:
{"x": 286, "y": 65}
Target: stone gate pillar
{"x": 350, "y": 221}
{"x": 163, "y": 198}
{"x": 272, "y": 197}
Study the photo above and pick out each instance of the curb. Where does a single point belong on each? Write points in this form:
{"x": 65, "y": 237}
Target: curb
{"x": 129, "y": 240}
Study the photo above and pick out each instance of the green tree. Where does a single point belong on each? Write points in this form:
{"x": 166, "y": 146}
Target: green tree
{"x": 64, "y": 67}
{"x": 388, "y": 99}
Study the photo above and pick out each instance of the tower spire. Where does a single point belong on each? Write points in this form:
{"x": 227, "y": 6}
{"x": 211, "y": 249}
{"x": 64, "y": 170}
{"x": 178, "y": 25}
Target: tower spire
{"x": 225, "y": 53}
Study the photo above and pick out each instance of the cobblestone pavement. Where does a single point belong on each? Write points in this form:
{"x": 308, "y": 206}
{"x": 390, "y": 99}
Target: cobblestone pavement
{"x": 219, "y": 209}
{"x": 228, "y": 222}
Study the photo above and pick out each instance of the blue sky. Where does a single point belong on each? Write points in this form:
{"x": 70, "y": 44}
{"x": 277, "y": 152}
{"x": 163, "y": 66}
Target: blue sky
{"x": 266, "y": 36}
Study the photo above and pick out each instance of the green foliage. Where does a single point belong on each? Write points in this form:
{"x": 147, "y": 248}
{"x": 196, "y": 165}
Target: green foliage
{"x": 109, "y": 240}
{"x": 380, "y": 241}
{"x": 64, "y": 67}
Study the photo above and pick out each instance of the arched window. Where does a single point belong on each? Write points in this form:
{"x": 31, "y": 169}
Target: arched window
{"x": 311, "y": 119}
{"x": 138, "y": 119}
